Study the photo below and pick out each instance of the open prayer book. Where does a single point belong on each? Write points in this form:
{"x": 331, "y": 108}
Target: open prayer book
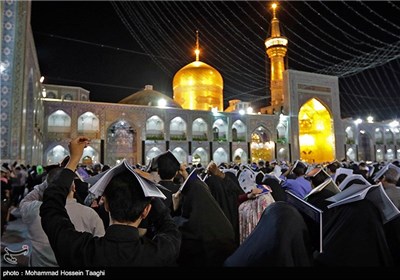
{"x": 383, "y": 170}
{"x": 328, "y": 184}
{"x": 149, "y": 187}
{"x": 342, "y": 170}
{"x": 374, "y": 193}
{"x": 349, "y": 178}
{"x": 192, "y": 176}
{"x": 272, "y": 175}
{"x": 309, "y": 210}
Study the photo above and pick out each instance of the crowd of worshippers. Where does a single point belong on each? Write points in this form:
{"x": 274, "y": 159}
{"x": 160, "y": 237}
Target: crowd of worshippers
{"x": 225, "y": 215}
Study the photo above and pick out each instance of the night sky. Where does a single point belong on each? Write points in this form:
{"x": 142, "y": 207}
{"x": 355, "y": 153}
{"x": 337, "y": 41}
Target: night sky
{"x": 114, "y": 49}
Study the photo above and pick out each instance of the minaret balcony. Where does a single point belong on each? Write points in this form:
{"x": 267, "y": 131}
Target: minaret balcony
{"x": 276, "y": 41}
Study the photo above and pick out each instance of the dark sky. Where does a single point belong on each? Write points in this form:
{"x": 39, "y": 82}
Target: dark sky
{"x": 114, "y": 49}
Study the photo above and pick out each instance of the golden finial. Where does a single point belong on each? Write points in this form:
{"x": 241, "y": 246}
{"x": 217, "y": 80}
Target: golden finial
{"x": 274, "y": 6}
{"x": 197, "y": 50}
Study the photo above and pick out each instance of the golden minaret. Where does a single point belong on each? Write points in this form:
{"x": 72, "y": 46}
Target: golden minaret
{"x": 198, "y": 86}
{"x": 276, "y": 49}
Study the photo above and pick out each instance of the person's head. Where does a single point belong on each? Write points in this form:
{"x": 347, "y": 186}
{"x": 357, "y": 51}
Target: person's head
{"x": 105, "y": 167}
{"x": 340, "y": 178}
{"x": 332, "y": 167}
{"x": 300, "y": 169}
{"x": 391, "y": 176}
{"x": 167, "y": 165}
{"x": 39, "y": 170}
{"x": 5, "y": 173}
{"x": 124, "y": 199}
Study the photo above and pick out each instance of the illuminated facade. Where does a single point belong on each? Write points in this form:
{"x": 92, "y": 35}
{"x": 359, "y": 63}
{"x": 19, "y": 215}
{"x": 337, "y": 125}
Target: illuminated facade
{"x": 36, "y": 125}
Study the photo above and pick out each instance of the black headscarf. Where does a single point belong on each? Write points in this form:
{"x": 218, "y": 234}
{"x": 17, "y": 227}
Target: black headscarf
{"x": 280, "y": 239}
{"x": 353, "y": 235}
{"x": 207, "y": 235}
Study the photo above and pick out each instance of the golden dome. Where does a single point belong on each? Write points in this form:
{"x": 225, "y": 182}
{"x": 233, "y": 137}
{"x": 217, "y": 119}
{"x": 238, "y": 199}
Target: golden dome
{"x": 198, "y": 86}
{"x": 149, "y": 97}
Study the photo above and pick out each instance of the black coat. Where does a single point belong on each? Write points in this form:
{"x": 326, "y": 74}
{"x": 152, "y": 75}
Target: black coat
{"x": 226, "y": 192}
{"x": 280, "y": 239}
{"x": 170, "y": 189}
{"x": 120, "y": 246}
{"x": 207, "y": 235}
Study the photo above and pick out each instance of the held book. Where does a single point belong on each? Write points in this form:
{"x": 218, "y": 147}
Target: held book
{"x": 383, "y": 170}
{"x": 150, "y": 189}
{"x": 232, "y": 170}
{"x": 342, "y": 170}
{"x": 328, "y": 184}
{"x": 192, "y": 176}
{"x": 352, "y": 177}
{"x": 82, "y": 173}
{"x": 309, "y": 210}
{"x": 374, "y": 193}
{"x": 295, "y": 164}
{"x": 273, "y": 176}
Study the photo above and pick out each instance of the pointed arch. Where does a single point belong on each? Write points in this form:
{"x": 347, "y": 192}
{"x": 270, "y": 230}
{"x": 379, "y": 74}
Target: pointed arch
{"x": 378, "y": 136}
{"x": 59, "y": 121}
{"x": 88, "y": 122}
{"x": 349, "y": 132}
{"x": 200, "y": 156}
{"x": 240, "y": 156}
{"x": 180, "y": 154}
{"x": 177, "y": 129}
{"x": 56, "y": 155}
{"x": 92, "y": 153}
{"x": 154, "y": 128}
{"x": 364, "y": 146}
{"x": 152, "y": 153}
{"x": 316, "y": 132}
{"x": 220, "y": 130}
{"x": 220, "y": 156}
{"x": 121, "y": 139}
{"x": 199, "y": 130}
{"x": 261, "y": 146}
{"x": 239, "y": 131}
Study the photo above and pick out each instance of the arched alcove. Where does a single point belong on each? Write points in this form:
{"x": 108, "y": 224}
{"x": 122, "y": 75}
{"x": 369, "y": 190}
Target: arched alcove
{"x": 239, "y": 131}
{"x": 364, "y": 146}
{"x": 152, "y": 153}
{"x": 220, "y": 156}
{"x": 240, "y": 156}
{"x": 177, "y": 129}
{"x": 56, "y": 155}
{"x": 199, "y": 130}
{"x": 316, "y": 134}
{"x": 180, "y": 155}
{"x": 261, "y": 146}
{"x": 88, "y": 122}
{"x": 121, "y": 139}
{"x": 220, "y": 130}
{"x": 59, "y": 121}
{"x": 154, "y": 128}
{"x": 200, "y": 156}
